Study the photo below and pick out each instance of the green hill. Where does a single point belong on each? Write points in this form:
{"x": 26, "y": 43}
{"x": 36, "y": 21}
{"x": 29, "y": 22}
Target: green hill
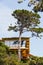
{"x": 9, "y": 58}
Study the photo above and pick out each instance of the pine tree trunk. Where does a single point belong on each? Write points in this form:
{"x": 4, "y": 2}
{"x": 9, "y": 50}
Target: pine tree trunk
{"x": 19, "y": 48}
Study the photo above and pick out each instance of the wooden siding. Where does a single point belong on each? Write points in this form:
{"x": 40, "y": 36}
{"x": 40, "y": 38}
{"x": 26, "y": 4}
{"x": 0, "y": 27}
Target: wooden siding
{"x": 24, "y": 51}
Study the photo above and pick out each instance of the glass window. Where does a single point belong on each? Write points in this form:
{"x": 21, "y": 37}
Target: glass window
{"x": 15, "y": 43}
{"x": 23, "y": 43}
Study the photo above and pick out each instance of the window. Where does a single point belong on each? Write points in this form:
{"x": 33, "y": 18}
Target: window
{"x": 14, "y": 43}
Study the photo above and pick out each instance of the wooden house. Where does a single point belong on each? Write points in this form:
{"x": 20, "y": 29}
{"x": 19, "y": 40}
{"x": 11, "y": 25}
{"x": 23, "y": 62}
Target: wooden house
{"x": 13, "y": 45}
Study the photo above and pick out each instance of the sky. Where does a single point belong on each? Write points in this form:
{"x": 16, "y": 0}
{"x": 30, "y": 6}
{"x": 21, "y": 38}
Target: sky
{"x": 6, "y": 9}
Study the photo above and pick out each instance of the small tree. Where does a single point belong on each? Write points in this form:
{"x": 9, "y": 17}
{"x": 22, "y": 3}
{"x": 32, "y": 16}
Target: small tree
{"x": 26, "y": 21}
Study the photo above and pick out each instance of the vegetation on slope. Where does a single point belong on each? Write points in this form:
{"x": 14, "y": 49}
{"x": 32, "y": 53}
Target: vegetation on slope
{"x": 8, "y": 58}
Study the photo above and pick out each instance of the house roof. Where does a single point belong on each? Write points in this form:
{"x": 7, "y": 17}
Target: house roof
{"x": 15, "y": 38}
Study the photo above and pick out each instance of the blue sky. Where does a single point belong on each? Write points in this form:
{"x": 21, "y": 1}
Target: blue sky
{"x": 6, "y": 9}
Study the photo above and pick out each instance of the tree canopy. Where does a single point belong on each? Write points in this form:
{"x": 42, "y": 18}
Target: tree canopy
{"x": 26, "y": 21}
{"x": 38, "y": 4}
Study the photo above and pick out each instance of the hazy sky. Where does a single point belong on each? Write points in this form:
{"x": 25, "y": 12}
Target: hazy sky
{"x": 6, "y": 9}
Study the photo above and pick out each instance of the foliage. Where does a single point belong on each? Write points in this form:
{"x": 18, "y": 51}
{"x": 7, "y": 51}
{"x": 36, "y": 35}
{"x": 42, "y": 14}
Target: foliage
{"x": 12, "y": 59}
{"x": 39, "y": 7}
{"x": 34, "y": 60}
{"x": 38, "y": 4}
{"x": 26, "y": 21}
{"x": 5, "y": 57}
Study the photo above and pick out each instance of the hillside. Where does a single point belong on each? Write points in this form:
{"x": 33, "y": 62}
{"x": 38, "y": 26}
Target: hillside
{"x": 9, "y": 58}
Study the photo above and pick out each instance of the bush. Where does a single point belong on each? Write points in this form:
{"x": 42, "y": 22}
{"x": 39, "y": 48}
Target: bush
{"x": 9, "y": 58}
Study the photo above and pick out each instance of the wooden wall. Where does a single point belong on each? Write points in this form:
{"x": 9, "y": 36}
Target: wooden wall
{"x": 24, "y": 52}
